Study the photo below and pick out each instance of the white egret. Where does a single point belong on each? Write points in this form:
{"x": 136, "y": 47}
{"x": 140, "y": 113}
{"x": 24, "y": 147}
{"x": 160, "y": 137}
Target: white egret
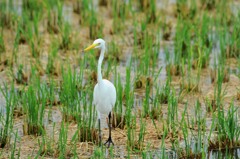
{"x": 104, "y": 95}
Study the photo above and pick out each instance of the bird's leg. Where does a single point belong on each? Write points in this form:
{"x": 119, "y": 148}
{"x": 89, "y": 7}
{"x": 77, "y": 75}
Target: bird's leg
{"x": 99, "y": 135}
{"x": 99, "y": 129}
{"x": 109, "y": 141}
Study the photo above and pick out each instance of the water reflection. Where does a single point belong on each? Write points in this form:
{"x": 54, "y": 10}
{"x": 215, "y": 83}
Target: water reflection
{"x": 233, "y": 153}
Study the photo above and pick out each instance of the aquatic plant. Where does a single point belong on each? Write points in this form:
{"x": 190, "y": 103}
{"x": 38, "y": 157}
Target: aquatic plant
{"x": 32, "y": 7}
{"x": 228, "y": 130}
{"x": 66, "y": 39}
{"x": 151, "y": 13}
{"x": 119, "y": 12}
{"x": 6, "y": 117}
{"x": 95, "y": 26}
{"x": 2, "y": 44}
{"x": 187, "y": 110}
{"x": 62, "y": 148}
{"x": 8, "y": 15}
{"x": 46, "y": 144}
{"x": 34, "y": 102}
{"x": 69, "y": 95}
{"x": 51, "y": 65}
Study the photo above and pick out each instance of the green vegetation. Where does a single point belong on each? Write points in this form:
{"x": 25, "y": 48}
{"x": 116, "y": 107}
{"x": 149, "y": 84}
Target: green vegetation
{"x": 175, "y": 67}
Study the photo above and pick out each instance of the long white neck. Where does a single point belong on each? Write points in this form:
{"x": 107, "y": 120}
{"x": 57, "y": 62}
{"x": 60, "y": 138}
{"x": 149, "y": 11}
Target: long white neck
{"x": 100, "y": 64}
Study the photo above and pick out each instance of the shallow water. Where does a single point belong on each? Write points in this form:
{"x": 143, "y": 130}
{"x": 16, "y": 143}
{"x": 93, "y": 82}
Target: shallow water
{"x": 56, "y": 116}
{"x": 162, "y": 64}
{"x": 234, "y": 154}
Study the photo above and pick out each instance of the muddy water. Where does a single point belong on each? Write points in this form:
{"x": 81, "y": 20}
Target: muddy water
{"x": 56, "y": 117}
{"x": 162, "y": 64}
{"x": 235, "y": 154}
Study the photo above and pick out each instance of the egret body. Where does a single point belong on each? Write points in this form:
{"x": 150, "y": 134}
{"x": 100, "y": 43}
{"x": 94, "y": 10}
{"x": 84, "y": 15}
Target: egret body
{"x": 104, "y": 94}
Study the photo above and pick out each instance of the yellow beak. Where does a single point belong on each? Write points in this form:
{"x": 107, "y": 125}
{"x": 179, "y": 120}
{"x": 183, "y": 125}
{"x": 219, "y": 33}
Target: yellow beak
{"x": 90, "y": 47}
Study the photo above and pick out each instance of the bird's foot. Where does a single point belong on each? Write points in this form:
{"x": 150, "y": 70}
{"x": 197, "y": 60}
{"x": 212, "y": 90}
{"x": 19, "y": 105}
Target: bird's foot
{"x": 109, "y": 142}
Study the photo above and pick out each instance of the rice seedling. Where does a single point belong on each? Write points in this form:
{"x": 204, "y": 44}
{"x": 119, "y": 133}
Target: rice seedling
{"x": 4, "y": 19}
{"x": 190, "y": 85}
{"x": 181, "y": 48}
{"x": 182, "y": 39}
{"x": 188, "y": 110}
{"x": 203, "y": 46}
{"x": 199, "y": 145}
{"x": 16, "y": 44}
{"x": 7, "y": 14}
{"x": 6, "y": 117}
{"x": 54, "y": 18}
{"x": 51, "y": 65}
{"x": 98, "y": 153}
{"x": 131, "y": 130}
{"x": 13, "y": 149}
{"x": 46, "y": 145}
{"x": 227, "y": 17}
{"x": 151, "y": 13}
{"x": 34, "y": 103}
{"x": 82, "y": 7}
{"x": 119, "y": 11}
{"x": 204, "y": 32}
{"x": 87, "y": 120}
{"x": 27, "y": 32}
{"x": 35, "y": 45}
{"x": 184, "y": 126}
{"x": 173, "y": 69}
{"x": 127, "y": 90}
{"x": 143, "y": 78}
{"x": 228, "y": 130}
{"x": 32, "y": 7}
{"x": 21, "y": 77}
{"x": 22, "y": 29}
{"x": 232, "y": 48}
{"x": 156, "y": 109}
{"x": 171, "y": 122}
{"x": 147, "y": 38}
{"x": 146, "y": 105}
{"x": 139, "y": 144}
{"x": 130, "y": 118}
{"x": 114, "y": 52}
{"x": 119, "y": 119}
{"x": 95, "y": 26}
{"x": 62, "y": 146}
{"x": 227, "y": 127}
{"x": 66, "y": 40}
{"x": 69, "y": 95}
{"x": 2, "y": 44}
{"x": 165, "y": 90}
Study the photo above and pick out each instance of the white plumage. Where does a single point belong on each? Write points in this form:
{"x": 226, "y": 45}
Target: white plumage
{"x": 104, "y": 94}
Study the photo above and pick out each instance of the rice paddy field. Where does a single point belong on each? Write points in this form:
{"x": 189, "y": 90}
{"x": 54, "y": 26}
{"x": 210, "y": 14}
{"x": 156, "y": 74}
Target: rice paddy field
{"x": 175, "y": 65}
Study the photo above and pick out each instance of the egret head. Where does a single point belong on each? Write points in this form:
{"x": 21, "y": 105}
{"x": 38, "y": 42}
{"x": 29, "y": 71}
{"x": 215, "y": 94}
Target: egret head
{"x": 98, "y": 43}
